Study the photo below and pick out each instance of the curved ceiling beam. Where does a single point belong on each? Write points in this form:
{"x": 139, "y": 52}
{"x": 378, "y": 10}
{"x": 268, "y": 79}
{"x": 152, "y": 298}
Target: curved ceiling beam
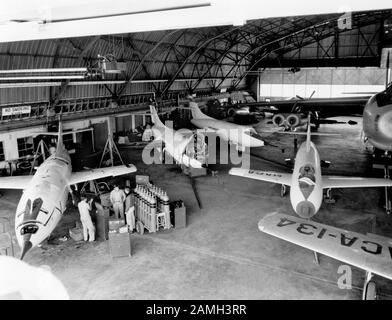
{"x": 331, "y": 32}
{"x": 131, "y": 76}
{"x": 64, "y": 85}
{"x": 199, "y": 47}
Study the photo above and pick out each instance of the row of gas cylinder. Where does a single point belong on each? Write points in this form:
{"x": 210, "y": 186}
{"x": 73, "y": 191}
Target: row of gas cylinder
{"x": 151, "y": 202}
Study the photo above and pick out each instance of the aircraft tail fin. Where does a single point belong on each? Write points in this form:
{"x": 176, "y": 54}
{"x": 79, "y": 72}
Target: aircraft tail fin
{"x": 60, "y": 143}
{"x": 196, "y": 112}
{"x": 155, "y": 118}
{"x": 308, "y": 134}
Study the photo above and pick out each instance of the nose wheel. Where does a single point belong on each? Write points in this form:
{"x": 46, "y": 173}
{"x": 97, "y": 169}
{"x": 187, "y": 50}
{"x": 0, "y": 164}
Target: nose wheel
{"x": 369, "y": 288}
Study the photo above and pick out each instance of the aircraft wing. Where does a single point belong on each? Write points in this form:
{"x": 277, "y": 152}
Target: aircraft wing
{"x": 15, "y": 182}
{"x": 270, "y": 176}
{"x": 363, "y": 251}
{"x": 327, "y": 107}
{"x": 99, "y": 173}
{"x": 354, "y": 182}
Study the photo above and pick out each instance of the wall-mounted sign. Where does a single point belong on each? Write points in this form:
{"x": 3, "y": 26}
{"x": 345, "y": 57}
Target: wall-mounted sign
{"x": 16, "y": 110}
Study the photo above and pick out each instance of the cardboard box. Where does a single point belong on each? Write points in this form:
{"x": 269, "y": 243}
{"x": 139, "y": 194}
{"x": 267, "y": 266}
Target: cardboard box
{"x": 115, "y": 224}
{"x": 143, "y": 180}
{"x": 120, "y": 244}
{"x": 76, "y": 234}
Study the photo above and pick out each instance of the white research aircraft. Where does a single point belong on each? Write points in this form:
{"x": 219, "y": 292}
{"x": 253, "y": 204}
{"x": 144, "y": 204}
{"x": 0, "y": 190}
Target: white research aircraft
{"x": 175, "y": 142}
{"x": 241, "y": 136}
{"x": 306, "y": 182}
{"x": 370, "y": 252}
{"x": 45, "y": 194}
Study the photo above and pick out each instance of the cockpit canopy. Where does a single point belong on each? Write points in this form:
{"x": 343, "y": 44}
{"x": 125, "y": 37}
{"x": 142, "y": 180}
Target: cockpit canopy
{"x": 29, "y": 229}
{"x": 307, "y": 179}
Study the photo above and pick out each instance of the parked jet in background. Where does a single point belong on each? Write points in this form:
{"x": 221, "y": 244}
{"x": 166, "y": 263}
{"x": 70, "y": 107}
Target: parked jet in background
{"x": 174, "y": 142}
{"x": 45, "y": 194}
{"x": 376, "y": 111}
{"x": 240, "y": 136}
{"x": 306, "y": 182}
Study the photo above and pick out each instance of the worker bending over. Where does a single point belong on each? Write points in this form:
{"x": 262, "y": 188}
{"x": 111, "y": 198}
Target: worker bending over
{"x": 88, "y": 226}
{"x": 117, "y": 198}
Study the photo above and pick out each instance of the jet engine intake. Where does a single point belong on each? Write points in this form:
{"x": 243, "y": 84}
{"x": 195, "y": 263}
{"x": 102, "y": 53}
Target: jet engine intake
{"x": 278, "y": 120}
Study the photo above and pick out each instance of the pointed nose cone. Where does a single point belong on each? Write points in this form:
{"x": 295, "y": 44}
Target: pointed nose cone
{"x": 306, "y": 209}
{"x": 27, "y": 245}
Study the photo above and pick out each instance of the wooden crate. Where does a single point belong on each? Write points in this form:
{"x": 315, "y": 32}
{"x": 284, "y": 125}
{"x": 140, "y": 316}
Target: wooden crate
{"x": 120, "y": 244}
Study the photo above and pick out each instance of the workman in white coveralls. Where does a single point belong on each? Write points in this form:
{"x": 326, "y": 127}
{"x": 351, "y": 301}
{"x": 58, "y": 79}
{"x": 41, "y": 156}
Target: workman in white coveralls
{"x": 130, "y": 208}
{"x": 88, "y": 226}
{"x": 117, "y": 198}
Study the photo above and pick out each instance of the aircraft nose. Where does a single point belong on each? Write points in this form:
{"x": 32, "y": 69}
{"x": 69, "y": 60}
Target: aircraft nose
{"x": 385, "y": 124}
{"x": 305, "y": 209}
{"x": 26, "y": 246}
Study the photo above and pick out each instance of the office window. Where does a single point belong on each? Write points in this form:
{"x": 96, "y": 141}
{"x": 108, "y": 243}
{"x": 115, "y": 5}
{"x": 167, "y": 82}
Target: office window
{"x": 2, "y": 157}
{"x": 25, "y": 146}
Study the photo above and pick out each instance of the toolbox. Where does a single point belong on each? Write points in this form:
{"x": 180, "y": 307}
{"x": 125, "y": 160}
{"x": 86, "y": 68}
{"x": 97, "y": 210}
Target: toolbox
{"x": 119, "y": 244}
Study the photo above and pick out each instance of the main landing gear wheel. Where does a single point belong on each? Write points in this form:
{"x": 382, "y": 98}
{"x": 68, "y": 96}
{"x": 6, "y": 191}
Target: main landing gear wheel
{"x": 371, "y": 292}
{"x": 139, "y": 227}
{"x": 283, "y": 190}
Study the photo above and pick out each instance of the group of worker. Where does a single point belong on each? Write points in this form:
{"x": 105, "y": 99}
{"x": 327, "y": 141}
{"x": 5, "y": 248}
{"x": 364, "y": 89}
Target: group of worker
{"x": 122, "y": 201}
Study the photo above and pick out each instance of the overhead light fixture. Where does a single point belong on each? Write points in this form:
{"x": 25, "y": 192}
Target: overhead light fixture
{"x": 43, "y": 74}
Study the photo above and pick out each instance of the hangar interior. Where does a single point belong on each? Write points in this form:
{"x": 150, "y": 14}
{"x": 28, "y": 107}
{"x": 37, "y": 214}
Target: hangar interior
{"x": 101, "y": 87}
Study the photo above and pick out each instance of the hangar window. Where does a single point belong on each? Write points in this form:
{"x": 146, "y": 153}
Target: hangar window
{"x": 25, "y": 146}
{"x": 2, "y": 157}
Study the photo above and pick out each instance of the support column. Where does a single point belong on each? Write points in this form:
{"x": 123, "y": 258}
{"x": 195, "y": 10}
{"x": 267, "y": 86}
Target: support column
{"x": 133, "y": 125}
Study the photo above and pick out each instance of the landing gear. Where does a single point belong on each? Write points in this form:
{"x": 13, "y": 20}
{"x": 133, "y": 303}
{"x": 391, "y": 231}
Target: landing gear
{"x": 328, "y": 197}
{"x": 388, "y": 205}
{"x": 384, "y": 162}
{"x": 240, "y": 148}
{"x": 369, "y": 288}
{"x": 283, "y": 190}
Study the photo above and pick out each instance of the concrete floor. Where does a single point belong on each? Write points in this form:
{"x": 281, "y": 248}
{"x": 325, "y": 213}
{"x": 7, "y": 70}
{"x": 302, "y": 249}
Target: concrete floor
{"x": 221, "y": 254}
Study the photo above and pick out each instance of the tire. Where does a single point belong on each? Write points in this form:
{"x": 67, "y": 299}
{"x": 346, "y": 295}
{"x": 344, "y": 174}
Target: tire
{"x": 139, "y": 227}
{"x": 371, "y": 292}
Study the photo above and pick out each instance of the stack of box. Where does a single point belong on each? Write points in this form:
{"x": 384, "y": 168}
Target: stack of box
{"x": 119, "y": 238}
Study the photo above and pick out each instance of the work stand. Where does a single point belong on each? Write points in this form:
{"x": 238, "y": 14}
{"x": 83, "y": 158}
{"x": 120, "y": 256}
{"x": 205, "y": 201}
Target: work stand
{"x": 110, "y": 148}
{"x": 39, "y": 152}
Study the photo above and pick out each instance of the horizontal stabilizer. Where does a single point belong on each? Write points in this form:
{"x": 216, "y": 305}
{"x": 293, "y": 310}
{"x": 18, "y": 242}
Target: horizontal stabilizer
{"x": 94, "y": 174}
{"x": 354, "y": 182}
{"x": 349, "y": 247}
{"x": 269, "y": 176}
{"x": 15, "y": 182}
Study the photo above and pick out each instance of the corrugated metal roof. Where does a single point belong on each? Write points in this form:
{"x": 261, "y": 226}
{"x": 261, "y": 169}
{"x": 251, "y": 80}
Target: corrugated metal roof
{"x": 186, "y": 53}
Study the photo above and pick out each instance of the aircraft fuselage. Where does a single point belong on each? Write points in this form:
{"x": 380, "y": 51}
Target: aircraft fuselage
{"x": 377, "y": 120}
{"x": 236, "y": 134}
{"x": 306, "y": 192}
{"x": 43, "y": 201}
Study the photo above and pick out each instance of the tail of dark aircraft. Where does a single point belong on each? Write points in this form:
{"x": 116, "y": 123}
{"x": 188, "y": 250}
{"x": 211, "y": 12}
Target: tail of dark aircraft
{"x": 154, "y": 117}
{"x": 60, "y": 142}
